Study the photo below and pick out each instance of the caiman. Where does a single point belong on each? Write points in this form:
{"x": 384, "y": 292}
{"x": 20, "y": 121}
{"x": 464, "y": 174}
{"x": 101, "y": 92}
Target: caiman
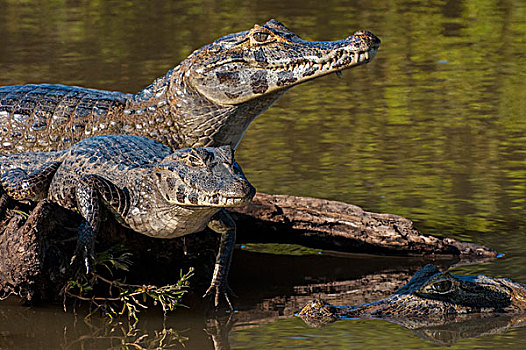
{"x": 430, "y": 294}
{"x": 209, "y": 99}
{"x": 146, "y": 185}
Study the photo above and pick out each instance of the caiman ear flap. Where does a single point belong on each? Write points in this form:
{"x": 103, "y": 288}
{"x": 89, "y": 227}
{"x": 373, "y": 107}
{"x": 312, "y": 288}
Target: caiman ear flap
{"x": 176, "y": 156}
{"x": 419, "y": 279}
{"x": 227, "y": 153}
{"x": 164, "y": 166}
{"x": 159, "y": 169}
{"x": 276, "y": 25}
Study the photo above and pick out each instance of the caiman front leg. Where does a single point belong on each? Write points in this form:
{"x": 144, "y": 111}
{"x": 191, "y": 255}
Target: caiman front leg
{"x": 4, "y": 199}
{"x": 88, "y": 204}
{"x": 91, "y": 193}
{"x": 17, "y": 184}
{"x": 223, "y": 224}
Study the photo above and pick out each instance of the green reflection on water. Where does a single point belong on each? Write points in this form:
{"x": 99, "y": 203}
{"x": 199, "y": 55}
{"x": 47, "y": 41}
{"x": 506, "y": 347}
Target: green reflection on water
{"x": 357, "y": 334}
{"x": 281, "y": 249}
{"x": 433, "y": 129}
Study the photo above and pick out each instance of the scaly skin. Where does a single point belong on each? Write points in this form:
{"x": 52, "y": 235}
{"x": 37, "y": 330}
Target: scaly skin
{"x": 209, "y": 99}
{"x": 429, "y": 295}
{"x": 147, "y": 186}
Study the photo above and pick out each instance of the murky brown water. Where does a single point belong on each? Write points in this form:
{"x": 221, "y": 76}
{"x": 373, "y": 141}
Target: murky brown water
{"x": 433, "y": 129}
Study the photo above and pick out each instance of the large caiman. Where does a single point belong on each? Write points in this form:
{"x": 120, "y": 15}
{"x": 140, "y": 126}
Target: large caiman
{"x": 209, "y": 99}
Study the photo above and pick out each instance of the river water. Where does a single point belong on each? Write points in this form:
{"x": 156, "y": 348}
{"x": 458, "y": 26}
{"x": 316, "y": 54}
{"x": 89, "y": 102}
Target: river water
{"x": 433, "y": 129}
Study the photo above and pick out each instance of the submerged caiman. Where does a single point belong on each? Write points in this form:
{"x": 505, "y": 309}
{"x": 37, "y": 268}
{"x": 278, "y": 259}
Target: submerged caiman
{"x": 146, "y": 185}
{"x": 429, "y": 295}
{"x": 209, "y": 99}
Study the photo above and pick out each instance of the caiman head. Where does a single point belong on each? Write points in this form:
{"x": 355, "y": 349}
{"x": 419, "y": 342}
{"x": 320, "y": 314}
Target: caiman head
{"x": 430, "y": 293}
{"x": 203, "y": 177}
{"x": 269, "y": 58}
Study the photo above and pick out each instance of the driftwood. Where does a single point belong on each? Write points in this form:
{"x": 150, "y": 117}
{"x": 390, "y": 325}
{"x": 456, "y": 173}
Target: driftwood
{"x": 35, "y": 251}
{"x": 340, "y": 226}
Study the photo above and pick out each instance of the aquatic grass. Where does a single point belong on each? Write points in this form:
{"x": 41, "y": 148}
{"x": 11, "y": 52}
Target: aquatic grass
{"x": 22, "y": 213}
{"x": 121, "y": 298}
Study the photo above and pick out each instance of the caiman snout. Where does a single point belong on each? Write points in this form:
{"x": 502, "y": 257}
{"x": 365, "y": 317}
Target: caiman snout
{"x": 374, "y": 40}
{"x": 364, "y": 40}
{"x": 242, "y": 190}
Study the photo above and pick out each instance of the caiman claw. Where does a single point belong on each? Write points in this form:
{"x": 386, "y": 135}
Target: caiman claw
{"x": 85, "y": 254}
{"x": 219, "y": 287}
{"x": 85, "y": 249}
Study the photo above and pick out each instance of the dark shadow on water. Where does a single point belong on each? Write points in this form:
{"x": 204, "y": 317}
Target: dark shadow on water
{"x": 269, "y": 288}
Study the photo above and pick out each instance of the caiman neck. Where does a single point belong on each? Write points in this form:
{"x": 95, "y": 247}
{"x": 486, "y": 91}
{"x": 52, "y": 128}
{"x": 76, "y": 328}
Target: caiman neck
{"x": 171, "y": 111}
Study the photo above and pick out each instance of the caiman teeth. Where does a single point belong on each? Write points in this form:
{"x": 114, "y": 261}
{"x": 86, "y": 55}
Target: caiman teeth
{"x": 340, "y": 58}
{"x": 213, "y": 200}
{"x": 356, "y": 57}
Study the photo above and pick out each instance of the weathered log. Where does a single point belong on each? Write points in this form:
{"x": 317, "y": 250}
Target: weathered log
{"x": 35, "y": 252}
{"x": 340, "y": 226}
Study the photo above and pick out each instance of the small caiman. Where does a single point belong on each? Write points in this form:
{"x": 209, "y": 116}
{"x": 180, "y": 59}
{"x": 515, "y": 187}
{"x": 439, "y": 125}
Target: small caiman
{"x": 149, "y": 188}
{"x": 430, "y": 294}
{"x": 209, "y": 99}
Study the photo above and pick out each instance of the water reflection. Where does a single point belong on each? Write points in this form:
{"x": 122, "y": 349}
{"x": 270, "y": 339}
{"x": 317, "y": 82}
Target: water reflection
{"x": 271, "y": 290}
{"x": 432, "y": 129}
{"x": 436, "y": 306}
{"x": 267, "y": 293}
{"x": 449, "y": 333}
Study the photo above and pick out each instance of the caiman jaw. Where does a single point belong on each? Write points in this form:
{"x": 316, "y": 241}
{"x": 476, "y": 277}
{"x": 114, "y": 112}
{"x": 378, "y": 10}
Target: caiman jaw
{"x": 211, "y": 200}
{"x": 229, "y": 193}
{"x": 315, "y": 67}
{"x": 341, "y": 59}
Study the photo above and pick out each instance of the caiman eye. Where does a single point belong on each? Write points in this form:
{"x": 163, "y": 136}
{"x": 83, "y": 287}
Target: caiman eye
{"x": 260, "y": 37}
{"x": 441, "y": 287}
{"x": 195, "y": 160}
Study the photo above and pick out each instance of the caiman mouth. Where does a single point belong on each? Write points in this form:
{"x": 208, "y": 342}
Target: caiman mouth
{"x": 340, "y": 59}
{"x": 210, "y": 200}
{"x": 217, "y": 200}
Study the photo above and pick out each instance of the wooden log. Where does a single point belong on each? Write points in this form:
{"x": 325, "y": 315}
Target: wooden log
{"x": 35, "y": 251}
{"x": 340, "y": 226}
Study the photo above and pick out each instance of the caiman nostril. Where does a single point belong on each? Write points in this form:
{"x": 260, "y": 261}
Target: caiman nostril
{"x": 248, "y": 189}
{"x": 242, "y": 189}
{"x": 368, "y": 36}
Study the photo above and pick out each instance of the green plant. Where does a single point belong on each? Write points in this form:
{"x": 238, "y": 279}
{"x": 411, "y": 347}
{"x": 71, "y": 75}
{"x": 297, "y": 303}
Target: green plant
{"x": 122, "y": 299}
